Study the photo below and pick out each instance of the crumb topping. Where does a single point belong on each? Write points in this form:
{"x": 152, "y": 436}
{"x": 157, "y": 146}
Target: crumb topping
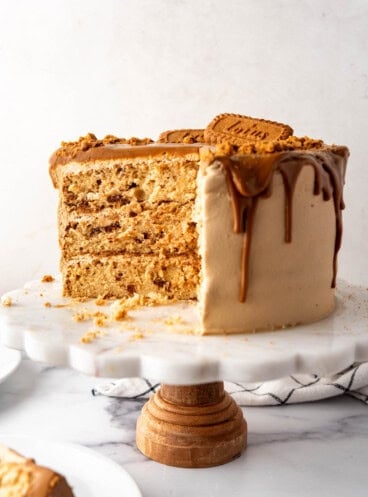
{"x": 71, "y": 149}
{"x": 261, "y": 147}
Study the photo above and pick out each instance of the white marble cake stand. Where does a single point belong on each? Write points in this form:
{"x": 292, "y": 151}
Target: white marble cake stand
{"x": 158, "y": 343}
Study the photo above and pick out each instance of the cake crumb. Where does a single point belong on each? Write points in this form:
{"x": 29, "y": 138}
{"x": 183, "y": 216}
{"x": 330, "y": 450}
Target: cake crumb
{"x": 6, "y": 301}
{"x": 120, "y": 314}
{"x": 120, "y": 308}
{"x": 100, "y": 320}
{"x": 91, "y": 336}
{"x": 173, "y": 320}
{"x": 101, "y": 300}
{"x": 82, "y": 316}
{"x": 47, "y": 278}
{"x": 47, "y": 304}
{"x": 118, "y": 311}
{"x": 136, "y": 336}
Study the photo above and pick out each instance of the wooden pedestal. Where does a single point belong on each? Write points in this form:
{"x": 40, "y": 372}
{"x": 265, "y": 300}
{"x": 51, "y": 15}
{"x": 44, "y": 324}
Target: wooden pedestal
{"x": 193, "y": 426}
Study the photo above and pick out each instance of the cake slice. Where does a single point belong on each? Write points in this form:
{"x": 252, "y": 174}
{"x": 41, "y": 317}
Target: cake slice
{"x": 22, "y": 477}
{"x": 249, "y": 227}
{"x": 125, "y": 219}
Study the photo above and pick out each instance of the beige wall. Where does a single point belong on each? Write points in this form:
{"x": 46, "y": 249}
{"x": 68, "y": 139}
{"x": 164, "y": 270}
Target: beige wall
{"x": 137, "y": 67}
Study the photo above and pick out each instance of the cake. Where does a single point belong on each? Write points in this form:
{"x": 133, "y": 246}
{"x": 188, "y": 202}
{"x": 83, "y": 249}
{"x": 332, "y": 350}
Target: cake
{"x": 22, "y": 477}
{"x": 242, "y": 217}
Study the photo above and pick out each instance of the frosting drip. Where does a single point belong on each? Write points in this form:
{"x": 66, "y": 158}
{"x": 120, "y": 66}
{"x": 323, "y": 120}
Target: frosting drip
{"x": 249, "y": 177}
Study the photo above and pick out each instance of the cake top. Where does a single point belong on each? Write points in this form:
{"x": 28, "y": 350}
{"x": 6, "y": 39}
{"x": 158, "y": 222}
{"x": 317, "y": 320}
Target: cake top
{"x": 232, "y": 132}
{"x": 69, "y": 150}
{"x": 261, "y": 147}
{"x": 226, "y": 135}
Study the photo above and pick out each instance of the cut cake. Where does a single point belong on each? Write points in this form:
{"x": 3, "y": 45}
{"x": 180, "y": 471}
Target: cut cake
{"x": 22, "y": 477}
{"x": 248, "y": 223}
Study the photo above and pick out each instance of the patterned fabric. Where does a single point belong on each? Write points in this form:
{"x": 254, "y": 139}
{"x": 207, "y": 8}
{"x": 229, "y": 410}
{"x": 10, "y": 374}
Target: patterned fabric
{"x": 353, "y": 381}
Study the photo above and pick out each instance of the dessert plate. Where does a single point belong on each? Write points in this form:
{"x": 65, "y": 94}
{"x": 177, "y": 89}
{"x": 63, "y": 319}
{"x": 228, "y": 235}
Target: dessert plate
{"x": 89, "y": 473}
{"x": 9, "y": 362}
{"x": 158, "y": 342}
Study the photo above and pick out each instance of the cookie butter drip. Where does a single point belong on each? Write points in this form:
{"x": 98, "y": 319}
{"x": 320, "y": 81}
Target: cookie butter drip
{"x": 243, "y": 207}
{"x": 289, "y": 172}
{"x": 335, "y": 168}
{"x": 249, "y": 177}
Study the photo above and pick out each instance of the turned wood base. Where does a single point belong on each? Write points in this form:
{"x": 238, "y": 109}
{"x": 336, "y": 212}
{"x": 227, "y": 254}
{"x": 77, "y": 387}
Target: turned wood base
{"x": 193, "y": 426}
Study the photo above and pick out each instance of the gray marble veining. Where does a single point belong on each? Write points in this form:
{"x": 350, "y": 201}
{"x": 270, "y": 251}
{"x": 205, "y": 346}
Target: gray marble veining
{"x": 295, "y": 450}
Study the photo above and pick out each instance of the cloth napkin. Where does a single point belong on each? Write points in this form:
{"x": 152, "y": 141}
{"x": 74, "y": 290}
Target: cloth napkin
{"x": 353, "y": 382}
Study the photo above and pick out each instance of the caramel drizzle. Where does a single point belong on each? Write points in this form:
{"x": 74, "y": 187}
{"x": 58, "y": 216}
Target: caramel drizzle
{"x": 250, "y": 177}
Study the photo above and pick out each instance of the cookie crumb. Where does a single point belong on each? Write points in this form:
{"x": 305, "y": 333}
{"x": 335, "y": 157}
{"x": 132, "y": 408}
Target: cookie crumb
{"x": 100, "y": 319}
{"x": 47, "y": 278}
{"x": 82, "y": 316}
{"x": 101, "y": 300}
{"x": 136, "y": 336}
{"x": 91, "y": 335}
{"x": 173, "y": 320}
{"x": 6, "y": 301}
{"x": 118, "y": 311}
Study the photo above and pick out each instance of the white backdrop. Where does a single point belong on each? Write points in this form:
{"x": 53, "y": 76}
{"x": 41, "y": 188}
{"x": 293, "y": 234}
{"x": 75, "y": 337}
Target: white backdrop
{"x": 137, "y": 67}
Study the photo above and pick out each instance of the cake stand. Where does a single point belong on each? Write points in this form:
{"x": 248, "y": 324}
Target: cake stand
{"x": 190, "y": 421}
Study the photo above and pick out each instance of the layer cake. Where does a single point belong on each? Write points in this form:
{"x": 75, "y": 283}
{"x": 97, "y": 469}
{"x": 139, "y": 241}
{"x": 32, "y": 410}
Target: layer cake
{"x": 248, "y": 222}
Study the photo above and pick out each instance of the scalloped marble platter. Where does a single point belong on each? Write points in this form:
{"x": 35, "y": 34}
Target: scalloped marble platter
{"x": 158, "y": 342}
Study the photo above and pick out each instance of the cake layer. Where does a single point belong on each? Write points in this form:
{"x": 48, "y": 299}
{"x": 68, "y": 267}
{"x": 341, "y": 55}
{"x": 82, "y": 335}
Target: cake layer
{"x": 138, "y": 227}
{"x": 276, "y": 268}
{"x": 93, "y": 186}
{"x": 154, "y": 276}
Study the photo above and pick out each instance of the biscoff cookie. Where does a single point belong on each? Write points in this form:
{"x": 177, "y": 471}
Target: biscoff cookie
{"x": 182, "y": 136}
{"x": 238, "y": 130}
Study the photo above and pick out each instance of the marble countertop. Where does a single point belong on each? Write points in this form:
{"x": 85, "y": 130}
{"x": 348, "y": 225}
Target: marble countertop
{"x": 304, "y": 450}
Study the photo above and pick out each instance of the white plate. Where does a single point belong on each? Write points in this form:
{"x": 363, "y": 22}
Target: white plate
{"x": 89, "y": 474}
{"x": 9, "y": 361}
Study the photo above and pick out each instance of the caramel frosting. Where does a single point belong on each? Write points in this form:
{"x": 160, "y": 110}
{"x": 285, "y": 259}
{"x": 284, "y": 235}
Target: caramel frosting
{"x": 270, "y": 229}
{"x": 249, "y": 177}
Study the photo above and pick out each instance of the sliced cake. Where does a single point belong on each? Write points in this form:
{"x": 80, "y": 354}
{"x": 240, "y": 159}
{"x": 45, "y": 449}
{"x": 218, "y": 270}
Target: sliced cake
{"x": 248, "y": 223}
{"x": 22, "y": 477}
